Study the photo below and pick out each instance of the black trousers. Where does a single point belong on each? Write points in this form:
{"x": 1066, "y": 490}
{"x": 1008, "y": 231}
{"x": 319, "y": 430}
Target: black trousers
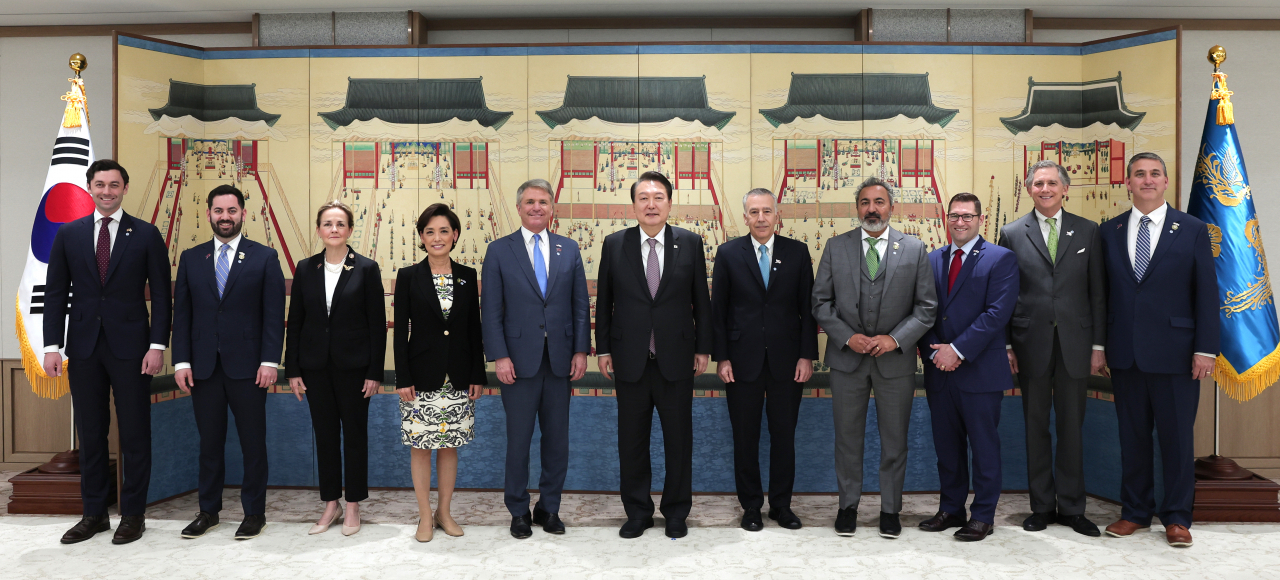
{"x": 636, "y": 402}
{"x": 780, "y": 400}
{"x": 1055, "y": 479}
{"x": 210, "y": 399}
{"x": 340, "y": 419}
{"x": 93, "y": 380}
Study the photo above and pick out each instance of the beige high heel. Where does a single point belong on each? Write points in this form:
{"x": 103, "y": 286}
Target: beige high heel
{"x": 455, "y": 532}
{"x": 322, "y": 528}
{"x": 431, "y": 529}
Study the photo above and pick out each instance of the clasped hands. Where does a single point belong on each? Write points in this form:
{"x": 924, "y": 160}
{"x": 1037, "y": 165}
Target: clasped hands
{"x": 872, "y": 345}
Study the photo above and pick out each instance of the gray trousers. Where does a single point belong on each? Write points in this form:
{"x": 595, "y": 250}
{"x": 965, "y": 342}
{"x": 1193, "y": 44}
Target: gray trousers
{"x": 1066, "y": 396}
{"x": 850, "y": 393}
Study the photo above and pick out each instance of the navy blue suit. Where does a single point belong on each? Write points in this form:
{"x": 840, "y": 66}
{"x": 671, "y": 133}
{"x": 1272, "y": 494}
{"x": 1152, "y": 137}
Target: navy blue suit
{"x": 964, "y": 404}
{"x": 540, "y": 335}
{"x": 1154, "y": 326}
{"x": 225, "y": 341}
{"x": 107, "y": 337}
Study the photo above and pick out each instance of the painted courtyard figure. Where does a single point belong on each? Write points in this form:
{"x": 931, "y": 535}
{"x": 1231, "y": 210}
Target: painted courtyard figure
{"x": 439, "y": 356}
{"x": 537, "y": 328}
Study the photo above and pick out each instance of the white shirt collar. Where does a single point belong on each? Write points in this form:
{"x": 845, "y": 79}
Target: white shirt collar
{"x": 968, "y": 247}
{"x": 528, "y": 235}
{"x": 755, "y": 244}
{"x": 883, "y": 235}
{"x": 1041, "y": 217}
{"x": 1157, "y": 216}
{"x": 234, "y": 243}
{"x": 115, "y": 217}
{"x": 644, "y": 238}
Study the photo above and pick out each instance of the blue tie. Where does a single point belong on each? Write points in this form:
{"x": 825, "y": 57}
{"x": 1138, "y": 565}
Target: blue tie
{"x": 539, "y": 265}
{"x": 1142, "y": 249}
{"x": 223, "y": 266}
{"x": 764, "y": 264}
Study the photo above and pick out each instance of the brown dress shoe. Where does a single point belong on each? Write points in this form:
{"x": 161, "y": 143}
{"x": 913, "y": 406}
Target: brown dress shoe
{"x": 974, "y": 531}
{"x": 1178, "y": 535}
{"x": 1124, "y": 528}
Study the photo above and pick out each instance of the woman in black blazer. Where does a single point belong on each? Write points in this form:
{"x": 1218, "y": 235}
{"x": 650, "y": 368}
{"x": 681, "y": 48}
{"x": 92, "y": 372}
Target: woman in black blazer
{"x": 439, "y": 363}
{"x": 336, "y": 347}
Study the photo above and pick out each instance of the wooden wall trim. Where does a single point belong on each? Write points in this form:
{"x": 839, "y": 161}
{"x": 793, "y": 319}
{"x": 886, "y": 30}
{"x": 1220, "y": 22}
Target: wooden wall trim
{"x": 841, "y": 21}
{"x": 1150, "y": 23}
{"x": 1031, "y": 26}
{"x": 147, "y": 29}
{"x": 256, "y": 26}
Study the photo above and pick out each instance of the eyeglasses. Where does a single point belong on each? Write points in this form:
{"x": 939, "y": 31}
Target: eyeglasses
{"x": 965, "y": 217}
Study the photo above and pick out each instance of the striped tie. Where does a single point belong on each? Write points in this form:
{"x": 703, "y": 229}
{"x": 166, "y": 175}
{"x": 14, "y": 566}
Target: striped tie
{"x": 222, "y": 267}
{"x": 1142, "y": 251}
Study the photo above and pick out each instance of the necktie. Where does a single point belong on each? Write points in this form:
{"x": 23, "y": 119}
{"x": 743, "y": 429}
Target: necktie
{"x": 653, "y": 276}
{"x": 539, "y": 265}
{"x": 764, "y": 264}
{"x": 1053, "y": 240}
{"x": 873, "y": 257}
{"x": 222, "y": 267}
{"x": 104, "y": 249}
{"x": 1142, "y": 251}
{"x": 954, "y": 271}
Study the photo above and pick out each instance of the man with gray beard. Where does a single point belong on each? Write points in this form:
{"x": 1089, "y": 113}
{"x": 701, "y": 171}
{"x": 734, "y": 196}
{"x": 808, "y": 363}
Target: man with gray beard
{"x": 874, "y": 296}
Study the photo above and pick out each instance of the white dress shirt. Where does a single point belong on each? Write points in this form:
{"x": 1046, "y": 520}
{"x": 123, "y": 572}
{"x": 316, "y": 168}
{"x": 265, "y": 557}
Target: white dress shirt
{"x": 112, "y": 228}
{"x": 232, "y": 256}
{"x": 1156, "y": 226}
{"x": 660, "y": 248}
{"x": 1044, "y": 224}
{"x": 965, "y": 251}
{"x": 331, "y": 277}
{"x": 868, "y": 239}
{"x": 755, "y": 245}
{"x": 543, "y": 242}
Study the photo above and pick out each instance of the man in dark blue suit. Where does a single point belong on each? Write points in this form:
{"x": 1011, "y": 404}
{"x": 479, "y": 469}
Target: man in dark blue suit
{"x": 111, "y": 259}
{"x": 1162, "y": 338}
{"x": 967, "y": 370}
{"x": 228, "y": 333}
{"x": 766, "y": 340}
{"x": 537, "y": 328}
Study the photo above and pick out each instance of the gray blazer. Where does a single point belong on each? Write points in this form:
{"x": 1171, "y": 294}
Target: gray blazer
{"x": 908, "y": 305}
{"x": 1071, "y": 292}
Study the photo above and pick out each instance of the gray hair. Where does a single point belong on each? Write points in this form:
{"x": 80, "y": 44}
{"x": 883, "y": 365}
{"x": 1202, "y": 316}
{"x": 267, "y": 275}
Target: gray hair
{"x": 872, "y": 182}
{"x": 758, "y": 191}
{"x": 536, "y": 184}
{"x": 1046, "y": 164}
{"x": 1128, "y": 171}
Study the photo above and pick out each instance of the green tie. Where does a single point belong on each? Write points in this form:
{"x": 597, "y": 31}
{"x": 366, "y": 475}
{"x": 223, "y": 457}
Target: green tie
{"x": 1053, "y": 239}
{"x": 873, "y": 257}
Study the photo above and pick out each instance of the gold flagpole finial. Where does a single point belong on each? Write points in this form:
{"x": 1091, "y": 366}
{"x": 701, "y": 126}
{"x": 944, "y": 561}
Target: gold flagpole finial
{"x": 78, "y": 63}
{"x": 1217, "y": 56}
{"x": 77, "y": 111}
{"x": 1220, "y": 93}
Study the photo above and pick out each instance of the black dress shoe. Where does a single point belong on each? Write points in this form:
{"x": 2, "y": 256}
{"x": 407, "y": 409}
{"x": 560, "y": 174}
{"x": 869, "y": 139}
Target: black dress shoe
{"x": 1037, "y": 522}
{"x": 86, "y": 528}
{"x": 520, "y": 527}
{"x": 751, "y": 520}
{"x": 550, "y": 522}
{"x": 635, "y": 528}
{"x": 130, "y": 529}
{"x": 204, "y": 522}
{"x": 251, "y": 527}
{"x": 785, "y": 517}
{"x": 676, "y": 528}
{"x": 846, "y": 521}
{"x": 1080, "y": 524}
{"x": 890, "y": 526}
{"x": 974, "y": 531}
{"x": 941, "y": 521}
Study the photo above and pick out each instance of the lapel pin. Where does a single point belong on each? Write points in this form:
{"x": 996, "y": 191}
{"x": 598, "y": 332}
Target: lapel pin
{"x": 241, "y": 255}
{"x": 462, "y": 282}
{"x": 128, "y": 231}
{"x": 346, "y": 267}
{"x": 674, "y": 246}
{"x": 1071, "y": 233}
{"x": 1174, "y": 226}
{"x": 777, "y": 261}
{"x": 351, "y": 256}
{"x": 895, "y": 245}
{"x": 1119, "y": 225}
{"x": 206, "y": 256}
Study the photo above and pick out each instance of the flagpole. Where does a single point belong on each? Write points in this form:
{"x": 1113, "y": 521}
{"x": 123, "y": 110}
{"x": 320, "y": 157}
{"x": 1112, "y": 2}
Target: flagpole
{"x": 1217, "y": 418}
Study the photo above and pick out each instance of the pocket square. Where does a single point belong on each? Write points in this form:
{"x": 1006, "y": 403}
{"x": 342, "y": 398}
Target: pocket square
{"x": 1081, "y": 250}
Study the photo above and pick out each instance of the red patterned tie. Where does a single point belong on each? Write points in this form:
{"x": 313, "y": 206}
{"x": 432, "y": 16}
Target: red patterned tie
{"x": 104, "y": 249}
{"x": 954, "y": 271}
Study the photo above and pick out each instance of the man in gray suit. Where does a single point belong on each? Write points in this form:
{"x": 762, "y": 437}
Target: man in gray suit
{"x": 1056, "y": 339}
{"x": 874, "y": 296}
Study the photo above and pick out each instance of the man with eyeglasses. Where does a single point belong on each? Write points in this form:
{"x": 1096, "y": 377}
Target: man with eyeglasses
{"x": 967, "y": 370}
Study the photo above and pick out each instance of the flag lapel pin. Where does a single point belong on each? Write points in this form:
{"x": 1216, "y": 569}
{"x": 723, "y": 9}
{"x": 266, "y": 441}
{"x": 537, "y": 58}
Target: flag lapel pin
{"x": 1071, "y": 233}
{"x": 128, "y": 231}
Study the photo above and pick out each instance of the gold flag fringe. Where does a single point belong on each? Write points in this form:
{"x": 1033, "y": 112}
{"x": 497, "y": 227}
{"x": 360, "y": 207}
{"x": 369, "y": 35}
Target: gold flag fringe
{"x": 41, "y": 384}
{"x": 1243, "y": 387}
{"x": 1226, "y": 111}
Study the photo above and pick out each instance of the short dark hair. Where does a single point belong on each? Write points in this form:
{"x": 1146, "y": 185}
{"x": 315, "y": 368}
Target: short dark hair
{"x": 433, "y": 210}
{"x": 1128, "y": 171}
{"x": 651, "y": 176}
{"x": 966, "y": 197}
{"x": 225, "y": 189}
{"x": 351, "y": 218}
{"x": 105, "y": 165}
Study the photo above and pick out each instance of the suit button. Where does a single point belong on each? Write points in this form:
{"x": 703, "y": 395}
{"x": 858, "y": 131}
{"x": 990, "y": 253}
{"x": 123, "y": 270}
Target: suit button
{"x": 446, "y": 333}
{"x": 944, "y": 317}
{"x": 540, "y": 327}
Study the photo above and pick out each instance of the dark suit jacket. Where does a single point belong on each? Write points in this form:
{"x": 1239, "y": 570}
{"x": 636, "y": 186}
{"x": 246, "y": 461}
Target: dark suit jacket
{"x": 138, "y": 260}
{"x": 973, "y": 317}
{"x": 516, "y": 315}
{"x": 426, "y": 345}
{"x": 352, "y": 334}
{"x": 748, "y": 318}
{"x": 1071, "y": 291}
{"x": 1158, "y": 324}
{"x": 245, "y": 328}
{"x": 680, "y": 314}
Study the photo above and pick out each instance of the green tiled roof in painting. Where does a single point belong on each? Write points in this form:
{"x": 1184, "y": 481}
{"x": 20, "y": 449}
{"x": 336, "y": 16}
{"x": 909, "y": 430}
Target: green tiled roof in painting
{"x": 859, "y": 97}
{"x": 1074, "y": 105}
{"x": 636, "y": 100}
{"x": 415, "y": 102}
{"x": 210, "y": 103}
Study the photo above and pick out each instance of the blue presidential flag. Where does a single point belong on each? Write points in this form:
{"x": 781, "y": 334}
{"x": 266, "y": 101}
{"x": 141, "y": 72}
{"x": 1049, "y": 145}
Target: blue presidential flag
{"x": 1220, "y": 196}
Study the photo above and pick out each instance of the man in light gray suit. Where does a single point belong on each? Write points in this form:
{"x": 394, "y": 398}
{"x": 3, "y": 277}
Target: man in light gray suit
{"x": 1056, "y": 339}
{"x": 874, "y": 295}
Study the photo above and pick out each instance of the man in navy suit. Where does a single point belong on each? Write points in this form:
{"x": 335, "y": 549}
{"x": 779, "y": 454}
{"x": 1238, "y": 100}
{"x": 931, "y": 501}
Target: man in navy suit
{"x": 537, "y": 324}
{"x": 1162, "y": 338}
{"x": 967, "y": 370}
{"x": 765, "y": 342}
{"x": 111, "y": 259}
{"x": 228, "y": 333}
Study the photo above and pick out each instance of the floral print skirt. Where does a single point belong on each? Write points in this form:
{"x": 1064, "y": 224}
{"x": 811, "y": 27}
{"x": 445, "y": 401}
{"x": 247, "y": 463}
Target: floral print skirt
{"x": 440, "y": 419}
